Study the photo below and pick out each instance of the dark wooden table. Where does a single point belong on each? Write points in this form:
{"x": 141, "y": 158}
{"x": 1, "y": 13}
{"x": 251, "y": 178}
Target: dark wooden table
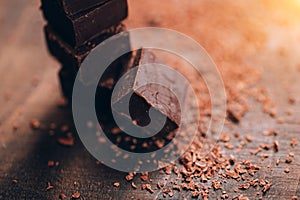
{"x": 262, "y": 34}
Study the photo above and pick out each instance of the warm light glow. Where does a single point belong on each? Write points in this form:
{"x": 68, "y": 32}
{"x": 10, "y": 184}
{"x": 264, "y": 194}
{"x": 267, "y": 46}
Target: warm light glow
{"x": 298, "y": 2}
{"x": 287, "y": 10}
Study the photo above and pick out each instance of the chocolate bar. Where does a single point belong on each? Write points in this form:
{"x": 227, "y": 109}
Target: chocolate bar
{"x": 72, "y": 7}
{"x": 73, "y": 57}
{"x": 147, "y": 95}
{"x": 79, "y": 28}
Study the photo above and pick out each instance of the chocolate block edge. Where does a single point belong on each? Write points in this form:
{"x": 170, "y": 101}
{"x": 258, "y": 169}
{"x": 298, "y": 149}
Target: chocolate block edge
{"x": 77, "y": 29}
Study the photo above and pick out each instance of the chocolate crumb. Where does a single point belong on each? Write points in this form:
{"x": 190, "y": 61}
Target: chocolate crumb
{"x": 273, "y": 112}
{"x": 291, "y": 154}
{"x": 64, "y": 128}
{"x": 236, "y": 134}
{"x": 149, "y": 188}
{"x": 265, "y": 146}
{"x": 266, "y": 187}
{"x": 232, "y": 174}
{"x": 235, "y": 112}
{"x": 244, "y": 186}
{"x": 292, "y": 100}
{"x": 225, "y": 137}
{"x": 277, "y": 161}
{"x": 98, "y": 162}
{"x": 248, "y": 138}
{"x": 271, "y": 132}
{"x": 116, "y": 130}
{"x": 133, "y": 185}
{"x": 289, "y": 160}
{"x": 15, "y": 126}
{"x": 62, "y": 196}
{"x": 242, "y": 198}
{"x": 293, "y": 142}
{"x": 160, "y": 185}
{"x": 129, "y": 176}
{"x": 232, "y": 159}
{"x": 216, "y": 184}
{"x": 224, "y": 195}
{"x": 176, "y": 187}
{"x": 195, "y": 194}
{"x": 144, "y": 176}
{"x": 66, "y": 141}
{"x": 167, "y": 170}
{"x": 228, "y": 145}
{"x": 116, "y": 184}
{"x": 35, "y": 124}
{"x": 102, "y": 140}
{"x": 276, "y": 146}
{"x": 76, "y": 195}
{"x": 143, "y": 187}
{"x": 51, "y": 163}
{"x": 49, "y": 187}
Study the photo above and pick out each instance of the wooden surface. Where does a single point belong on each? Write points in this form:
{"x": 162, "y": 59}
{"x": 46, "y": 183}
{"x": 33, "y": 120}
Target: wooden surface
{"x": 264, "y": 35}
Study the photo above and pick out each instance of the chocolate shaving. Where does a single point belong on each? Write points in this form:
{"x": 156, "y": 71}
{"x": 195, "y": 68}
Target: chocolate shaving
{"x": 116, "y": 184}
{"x": 76, "y": 195}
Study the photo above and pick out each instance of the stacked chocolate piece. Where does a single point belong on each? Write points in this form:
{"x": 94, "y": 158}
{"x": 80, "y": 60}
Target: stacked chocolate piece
{"x": 75, "y": 27}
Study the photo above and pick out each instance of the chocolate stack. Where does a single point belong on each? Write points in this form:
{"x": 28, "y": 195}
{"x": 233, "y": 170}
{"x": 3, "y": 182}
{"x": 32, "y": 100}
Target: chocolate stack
{"x": 75, "y": 27}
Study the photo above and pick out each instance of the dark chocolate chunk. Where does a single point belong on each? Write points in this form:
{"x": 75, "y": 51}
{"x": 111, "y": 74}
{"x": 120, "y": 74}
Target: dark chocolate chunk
{"x": 72, "y": 7}
{"x": 63, "y": 52}
{"x": 146, "y": 94}
{"x": 77, "y": 29}
{"x": 69, "y": 55}
{"x": 73, "y": 57}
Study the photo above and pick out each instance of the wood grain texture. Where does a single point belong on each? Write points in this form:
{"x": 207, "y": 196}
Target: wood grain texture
{"x": 29, "y": 89}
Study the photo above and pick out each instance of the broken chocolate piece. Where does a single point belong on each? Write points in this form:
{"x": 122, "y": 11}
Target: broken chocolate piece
{"x": 150, "y": 87}
{"x": 79, "y": 28}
